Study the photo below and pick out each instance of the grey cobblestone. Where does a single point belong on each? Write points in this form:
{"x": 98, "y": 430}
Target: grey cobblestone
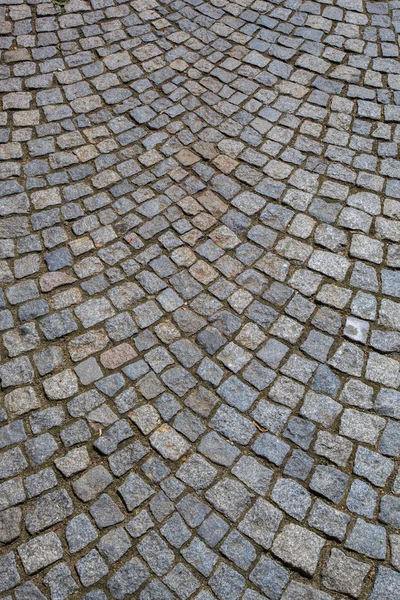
{"x": 199, "y": 316}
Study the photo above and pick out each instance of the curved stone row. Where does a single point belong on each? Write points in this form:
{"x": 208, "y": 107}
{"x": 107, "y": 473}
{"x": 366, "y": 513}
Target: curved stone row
{"x": 199, "y": 300}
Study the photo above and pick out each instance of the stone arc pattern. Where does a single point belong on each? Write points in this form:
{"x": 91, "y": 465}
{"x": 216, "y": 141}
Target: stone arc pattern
{"x": 199, "y": 300}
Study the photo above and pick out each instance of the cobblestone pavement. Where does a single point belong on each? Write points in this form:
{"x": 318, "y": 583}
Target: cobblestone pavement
{"x": 200, "y": 300}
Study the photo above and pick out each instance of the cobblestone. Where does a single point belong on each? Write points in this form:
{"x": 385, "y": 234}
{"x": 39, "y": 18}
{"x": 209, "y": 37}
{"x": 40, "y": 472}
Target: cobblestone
{"x": 199, "y": 315}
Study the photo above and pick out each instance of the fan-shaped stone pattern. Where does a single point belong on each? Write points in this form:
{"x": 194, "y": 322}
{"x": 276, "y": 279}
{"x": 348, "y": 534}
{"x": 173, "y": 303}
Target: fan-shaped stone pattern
{"x": 199, "y": 299}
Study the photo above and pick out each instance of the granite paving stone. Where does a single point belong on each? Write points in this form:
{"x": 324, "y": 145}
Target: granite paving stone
{"x": 199, "y": 299}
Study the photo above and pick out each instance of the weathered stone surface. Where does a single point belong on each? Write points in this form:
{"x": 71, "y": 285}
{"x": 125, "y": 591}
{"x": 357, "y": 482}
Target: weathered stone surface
{"x": 169, "y": 443}
{"x": 94, "y": 481}
{"x": 10, "y": 576}
{"x": 199, "y": 300}
{"x": 40, "y": 552}
{"x": 299, "y": 548}
{"x": 61, "y": 386}
{"x": 50, "y": 281}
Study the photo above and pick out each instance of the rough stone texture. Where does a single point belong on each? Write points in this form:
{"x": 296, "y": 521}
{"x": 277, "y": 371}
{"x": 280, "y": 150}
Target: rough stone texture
{"x": 345, "y": 574}
{"x": 40, "y": 552}
{"x": 299, "y": 548}
{"x": 199, "y": 299}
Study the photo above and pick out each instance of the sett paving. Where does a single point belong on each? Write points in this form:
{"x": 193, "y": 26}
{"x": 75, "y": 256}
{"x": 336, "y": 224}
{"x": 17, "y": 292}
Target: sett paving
{"x": 199, "y": 300}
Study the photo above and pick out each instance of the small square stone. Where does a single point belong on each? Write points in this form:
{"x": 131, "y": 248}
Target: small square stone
{"x": 345, "y": 574}
{"x": 229, "y": 497}
{"x": 298, "y": 547}
{"x": 91, "y": 568}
